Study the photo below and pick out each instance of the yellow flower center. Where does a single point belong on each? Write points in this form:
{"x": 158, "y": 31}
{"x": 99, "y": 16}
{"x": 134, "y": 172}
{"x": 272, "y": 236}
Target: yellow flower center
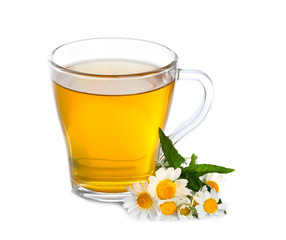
{"x": 185, "y": 211}
{"x": 210, "y": 205}
{"x": 213, "y": 184}
{"x": 166, "y": 189}
{"x": 144, "y": 200}
{"x": 168, "y": 208}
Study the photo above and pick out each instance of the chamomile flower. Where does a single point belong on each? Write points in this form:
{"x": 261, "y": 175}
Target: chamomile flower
{"x": 141, "y": 202}
{"x": 208, "y": 203}
{"x": 214, "y": 180}
{"x": 166, "y": 185}
{"x": 203, "y": 189}
{"x": 185, "y": 211}
{"x": 168, "y": 208}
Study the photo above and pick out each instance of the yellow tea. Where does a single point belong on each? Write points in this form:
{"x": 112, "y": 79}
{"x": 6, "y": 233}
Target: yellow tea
{"x": 112, "y": 136}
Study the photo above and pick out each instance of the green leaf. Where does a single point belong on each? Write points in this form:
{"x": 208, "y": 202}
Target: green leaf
{"x": 172, "y": 156}
{"x": 194, "y": 182}
{"x": 193, "y": 160}
{"x": 202, "y": 169}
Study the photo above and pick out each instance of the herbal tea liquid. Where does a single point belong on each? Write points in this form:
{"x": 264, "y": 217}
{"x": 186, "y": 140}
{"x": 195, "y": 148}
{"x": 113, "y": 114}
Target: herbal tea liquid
{"x": 113, "y": 138}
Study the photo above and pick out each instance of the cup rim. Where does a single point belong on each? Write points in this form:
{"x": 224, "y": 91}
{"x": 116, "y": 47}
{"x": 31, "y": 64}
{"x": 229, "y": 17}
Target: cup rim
{"x": 165, "y": 68}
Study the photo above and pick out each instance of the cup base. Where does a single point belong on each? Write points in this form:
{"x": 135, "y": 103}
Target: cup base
{"x": 99, "y": 196}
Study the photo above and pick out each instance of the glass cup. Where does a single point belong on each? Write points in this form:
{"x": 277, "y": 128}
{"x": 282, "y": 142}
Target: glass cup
{"x": 112, "y": 95}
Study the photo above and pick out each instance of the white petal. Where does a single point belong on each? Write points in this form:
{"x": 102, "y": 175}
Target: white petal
{"x": 218, "y": 178}
{"x": 181, "y": 182}
{"x": 153, "y": 213}
{"x": 152, "y": 179}
{"x": 210, "y": 176}
{"x": 217, "y": 197}
{"x": 160, "y": 216}
{"x": 144, "y": 215}
{"x": 201, "y": 195}
{"x": 221, "y": 206}
{"x": 152, "y": 185}
{"x": 169, "y": 172}
{"x": 172, "y": 175}
{"x": 177, "y": 174}
{"x": 145, "y": 186}
{"x": 219, "y": 212}
{"x": 181, "y": 201}
{"x": 204, "y": 189}
{"x": 129, "y": 198}
{"x": 213, "y": 193}
{"x": 199, "y": 209}
{"x": 207, "y": 195}
{"x": 138, "y": 187}
{"x": 152, "y": 189}
{"x": 160, "y": 202}
{"x": 183, "y": 191}
{"x": 132, "y": 191}
{"x": 132, "y": 208}
{"x": 204, "y": 178}
{"x": 156, "y": 207}
{"x": 129, "y": 203}
{"x": 199, "y": 200}
{"x": 161, "y": 174}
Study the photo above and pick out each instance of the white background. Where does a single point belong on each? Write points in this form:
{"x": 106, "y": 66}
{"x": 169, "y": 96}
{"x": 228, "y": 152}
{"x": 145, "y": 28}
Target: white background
{"x": 241, "y": 45}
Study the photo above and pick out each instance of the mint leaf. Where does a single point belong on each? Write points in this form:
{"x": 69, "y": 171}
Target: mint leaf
{"x": 194, "y": 171}
{"x": 193, "y": 160}
{"x": 172, "y": 156}
{"x": 194, "y": 182}
{"x": 202, "y": 169}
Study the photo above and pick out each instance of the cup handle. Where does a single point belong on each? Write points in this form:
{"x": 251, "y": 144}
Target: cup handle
{"x": 200, "y": 114}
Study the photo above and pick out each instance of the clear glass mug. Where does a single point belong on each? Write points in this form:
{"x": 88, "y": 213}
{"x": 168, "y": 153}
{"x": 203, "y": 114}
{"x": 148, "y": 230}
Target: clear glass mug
{"x": 112, "y": 95}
